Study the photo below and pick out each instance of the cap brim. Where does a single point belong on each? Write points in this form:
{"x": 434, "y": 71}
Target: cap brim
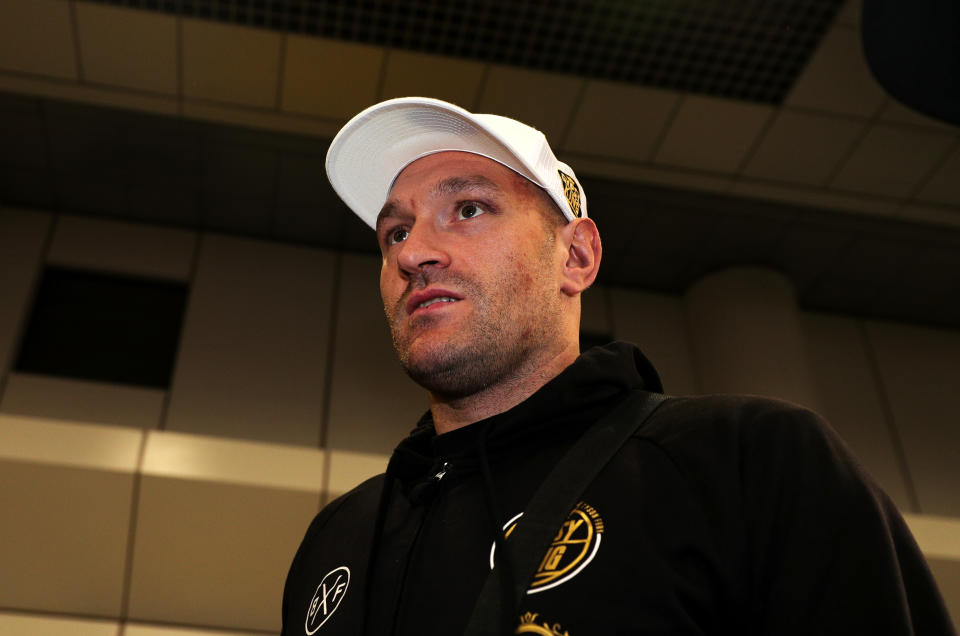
{"x": 370, "y": 151}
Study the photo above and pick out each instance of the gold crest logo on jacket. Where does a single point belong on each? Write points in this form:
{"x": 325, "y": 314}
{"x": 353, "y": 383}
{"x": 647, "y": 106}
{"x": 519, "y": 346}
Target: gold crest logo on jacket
{"x": 572, "y": 549}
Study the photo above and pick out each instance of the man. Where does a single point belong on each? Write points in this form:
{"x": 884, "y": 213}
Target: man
{"x": 718, "y": 515}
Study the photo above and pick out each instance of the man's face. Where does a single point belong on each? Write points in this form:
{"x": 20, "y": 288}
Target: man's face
{"x": 471, "y": 273}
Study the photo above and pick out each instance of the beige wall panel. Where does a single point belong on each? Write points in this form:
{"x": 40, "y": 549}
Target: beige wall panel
{"x": 125, "y": 248}
{"x": 712, "y": 134}
{"x": 409, "y": 73}
{"x": 35, "y": 37}
{"x": 22, "y": 236}
{"x": 38, "y": 625}
{"x": 540, "y": 99}
{"x": 850, "y": 400}
{"x": 73, "y": 444}
{"x": 620, "y": 120}
{"x": 215, "y": 554}
{"x": 253, "y": 352}
{"x": 82, "y": 400}
{"x": 947, "y": 574}
{"x": 656, "y": 324}
{"x": 349, "y": 469}
{"x": 229, "y": 63}
{"x": 63, "y": 540}
{"x": 329, "y": 78}
{"x": 920, "y": 369}
{"x": 133, "y": 629}
{"x": 128, "y": 47}
{"x": 230, "y": 461}
{"x": 373, "y": 404}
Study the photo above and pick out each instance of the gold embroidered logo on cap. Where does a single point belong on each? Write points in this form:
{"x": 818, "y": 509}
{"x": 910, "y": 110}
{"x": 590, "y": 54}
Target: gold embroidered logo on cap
{"x": 572, "y": 191}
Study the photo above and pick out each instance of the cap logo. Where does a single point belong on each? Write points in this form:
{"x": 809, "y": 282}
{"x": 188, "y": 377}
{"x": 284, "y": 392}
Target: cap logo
{"x": 572, "y": 192}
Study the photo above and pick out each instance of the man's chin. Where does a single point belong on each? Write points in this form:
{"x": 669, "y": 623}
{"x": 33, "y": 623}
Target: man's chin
{"x": 441, "y": 367}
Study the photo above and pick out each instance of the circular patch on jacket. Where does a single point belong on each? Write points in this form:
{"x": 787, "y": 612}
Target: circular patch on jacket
{"x": 571, "y": 550}
{"x": 326, "y": 599}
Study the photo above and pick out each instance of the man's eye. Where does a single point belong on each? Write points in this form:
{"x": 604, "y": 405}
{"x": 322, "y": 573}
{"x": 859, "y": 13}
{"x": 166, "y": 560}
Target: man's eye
{"x": 470, "y": 210}
{"x": 397, "y": 236}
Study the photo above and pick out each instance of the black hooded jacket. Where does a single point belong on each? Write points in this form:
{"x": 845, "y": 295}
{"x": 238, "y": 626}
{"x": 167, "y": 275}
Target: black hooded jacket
{"x": 721, "y": 515}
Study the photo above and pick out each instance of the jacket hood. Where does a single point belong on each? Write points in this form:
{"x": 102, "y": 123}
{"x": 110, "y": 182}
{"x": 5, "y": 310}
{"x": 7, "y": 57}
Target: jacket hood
{"x": 565, "y": 405}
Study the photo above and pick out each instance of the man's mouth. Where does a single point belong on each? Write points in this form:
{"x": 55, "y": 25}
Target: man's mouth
{"x": 427, "y": 298}
{"x": 439, "y": 299}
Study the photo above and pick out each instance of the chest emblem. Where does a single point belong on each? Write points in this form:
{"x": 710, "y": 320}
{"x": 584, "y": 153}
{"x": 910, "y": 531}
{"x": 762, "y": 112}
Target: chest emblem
{"x": 529, "y": 625}
{"x": 572, "y": 549}
{"x": 326, "y": 599}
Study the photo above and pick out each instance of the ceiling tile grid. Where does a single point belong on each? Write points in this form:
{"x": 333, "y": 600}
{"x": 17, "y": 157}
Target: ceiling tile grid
{"x": 713, "y": 134}
{"x": 36, "y": 36}
{"x": 620, "y": 121}
{"x": 128, "y": 48}
{"x": 230, "y": 64}
{"x": 892, "y": 161}
{"x": 329, "y": 79}
{"x": 739, "y": 50}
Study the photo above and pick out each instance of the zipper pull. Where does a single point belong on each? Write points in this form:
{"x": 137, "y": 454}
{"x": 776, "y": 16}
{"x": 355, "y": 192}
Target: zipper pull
{"x": 442, "y": 472}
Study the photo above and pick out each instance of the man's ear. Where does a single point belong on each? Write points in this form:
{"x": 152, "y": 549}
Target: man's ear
{"x": 582, "y": 241}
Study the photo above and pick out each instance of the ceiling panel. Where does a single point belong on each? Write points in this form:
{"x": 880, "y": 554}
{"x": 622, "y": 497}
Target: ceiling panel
{"x": 419, "y": 74}
{"x": 837, "y": 78}
{"x": 129, "y": 48}
{"x": 892, "y": 161}
{"x": 232, "y": 64}
{"x": 849, "y": 15}
{"x": 521, "y": 94}
{"x": 36, "y": 37}
{"x": 92, "y": 194}
{"x": 739, "y": 50}
{"x": 712, "y": 134}
{"x": 236, "y": 214}
{"x": 329, "y": 79}
{"x": 178, "y": 206}
{"x": 620, "y": 120}
{"x": 896, "y": 113}
{"x": 24, "y": 139}
{"x": 944, "y": 186}
{"x": 934, "y": 214}
{"x": 804, "y": 148}
{"x": 240, "y": 171}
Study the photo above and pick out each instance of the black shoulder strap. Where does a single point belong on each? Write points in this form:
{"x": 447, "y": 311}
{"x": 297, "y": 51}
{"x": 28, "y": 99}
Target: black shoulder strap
{"x": 552, "y": 503}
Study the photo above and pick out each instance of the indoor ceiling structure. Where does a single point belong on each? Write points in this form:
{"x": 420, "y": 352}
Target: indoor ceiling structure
{"x": 706, "y": 134}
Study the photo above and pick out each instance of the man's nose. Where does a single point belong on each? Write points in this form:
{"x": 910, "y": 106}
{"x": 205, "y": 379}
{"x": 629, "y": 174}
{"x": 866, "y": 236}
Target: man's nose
{"x": 422, "y": 248}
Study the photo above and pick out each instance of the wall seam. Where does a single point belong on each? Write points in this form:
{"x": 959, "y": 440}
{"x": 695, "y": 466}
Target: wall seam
{"x": 328, "y": 373}
{"x": 31, "y": 298}
{"x": 191, "y": 281}
{"x": 887, "y": 410}
{"x": 132, "y": 529}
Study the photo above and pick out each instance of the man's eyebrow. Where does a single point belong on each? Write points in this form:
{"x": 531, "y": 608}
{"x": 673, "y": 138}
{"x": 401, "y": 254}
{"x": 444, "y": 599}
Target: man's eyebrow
{"x": 456, "y": 185}
{"x": 445, "y": 187}
{"x": 389, "y": 209}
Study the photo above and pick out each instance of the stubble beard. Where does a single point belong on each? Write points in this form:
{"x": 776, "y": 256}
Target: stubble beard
{"x": 494, "y": 344}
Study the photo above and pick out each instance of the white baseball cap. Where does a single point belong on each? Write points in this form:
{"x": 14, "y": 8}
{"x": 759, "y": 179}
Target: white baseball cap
{"x": 372, "y": 149}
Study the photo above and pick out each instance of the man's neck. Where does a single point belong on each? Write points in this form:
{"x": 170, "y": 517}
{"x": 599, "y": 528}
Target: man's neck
{"x": 453, "y": 413}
